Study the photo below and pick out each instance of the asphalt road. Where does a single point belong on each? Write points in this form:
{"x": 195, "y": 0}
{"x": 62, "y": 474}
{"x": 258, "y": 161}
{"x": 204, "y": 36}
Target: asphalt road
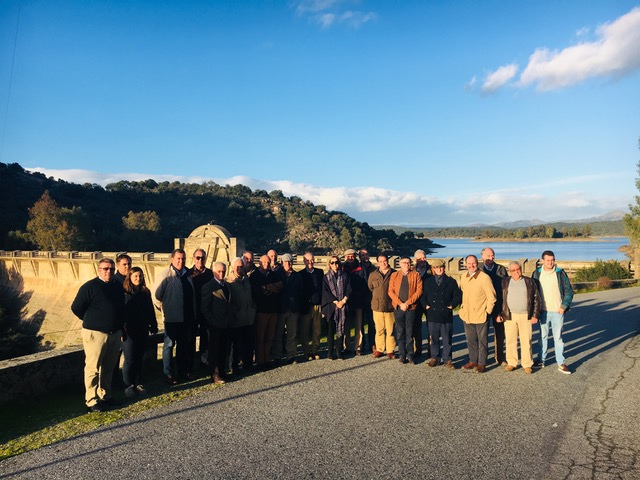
{"x": 375, "y": 418}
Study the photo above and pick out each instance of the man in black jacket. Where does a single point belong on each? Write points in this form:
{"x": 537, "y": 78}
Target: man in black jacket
{"x": 440, "y": 296}
{"x": 497, "y": 272}
{"x": 99, "y": 303}
{"x": 311, "y": 308}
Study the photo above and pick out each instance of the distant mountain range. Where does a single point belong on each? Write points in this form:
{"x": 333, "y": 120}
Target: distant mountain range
{"x": 612, "y": 216}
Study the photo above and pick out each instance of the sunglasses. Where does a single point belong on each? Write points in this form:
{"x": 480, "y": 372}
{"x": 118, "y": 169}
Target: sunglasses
{"x": 200, "y": 258}
{"x": 334, "y": 263}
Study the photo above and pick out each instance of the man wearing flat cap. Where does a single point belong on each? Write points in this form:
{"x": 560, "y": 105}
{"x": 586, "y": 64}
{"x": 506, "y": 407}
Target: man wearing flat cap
{"x": 439, "y": 297}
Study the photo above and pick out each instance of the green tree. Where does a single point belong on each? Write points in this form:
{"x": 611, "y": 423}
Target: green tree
{"x": 147, "y": 221}
{"x": 52, "y": 227}
{"x": 18, "y": 333}
{"x": 632, "y": 219}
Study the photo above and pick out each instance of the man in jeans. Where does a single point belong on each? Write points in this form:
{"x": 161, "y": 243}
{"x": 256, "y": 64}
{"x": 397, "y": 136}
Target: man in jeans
{"x": 405, "y": 290}
{"x": 175, "y": 296}
{"x": 557, "y": 293}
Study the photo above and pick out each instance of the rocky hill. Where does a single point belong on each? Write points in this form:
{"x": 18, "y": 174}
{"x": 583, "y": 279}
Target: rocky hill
{"x": 147, "y": 216}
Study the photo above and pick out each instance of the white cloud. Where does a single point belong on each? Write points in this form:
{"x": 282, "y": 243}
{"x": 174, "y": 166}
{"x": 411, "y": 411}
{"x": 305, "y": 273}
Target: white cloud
{"x": 328, "y": 13}
{"x": 614, "y": 53}
{"x": 499, "y": 78}
{"x": 471, "y": 83}
{"x": 304, "y": 7}
{"x": 383, "y": 206}
{"x": 326, "y": 19}
{"x": 582, "y": 32}
{"x": 357, "y": 19}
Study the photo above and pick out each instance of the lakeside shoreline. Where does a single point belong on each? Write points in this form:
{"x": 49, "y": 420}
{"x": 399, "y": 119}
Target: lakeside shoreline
{"x": 529, "y": 240}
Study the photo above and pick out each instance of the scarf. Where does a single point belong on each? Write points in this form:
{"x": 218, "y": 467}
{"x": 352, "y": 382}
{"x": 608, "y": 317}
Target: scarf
{"x": 336, "y": 285}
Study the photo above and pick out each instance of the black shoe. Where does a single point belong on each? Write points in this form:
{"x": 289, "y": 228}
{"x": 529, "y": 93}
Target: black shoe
{"x": 96, "y": 408}
{"x": 110, "y": 403}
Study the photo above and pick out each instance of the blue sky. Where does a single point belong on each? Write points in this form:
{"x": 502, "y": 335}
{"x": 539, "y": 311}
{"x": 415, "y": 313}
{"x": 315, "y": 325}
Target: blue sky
{"x": 406, "y": 112}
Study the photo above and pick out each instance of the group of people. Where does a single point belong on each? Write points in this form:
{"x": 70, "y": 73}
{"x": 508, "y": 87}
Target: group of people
{"x": 254, "y": 317}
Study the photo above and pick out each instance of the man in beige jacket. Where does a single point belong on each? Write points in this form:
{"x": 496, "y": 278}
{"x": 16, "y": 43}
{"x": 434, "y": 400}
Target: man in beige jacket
{"x": 478, "y": 300}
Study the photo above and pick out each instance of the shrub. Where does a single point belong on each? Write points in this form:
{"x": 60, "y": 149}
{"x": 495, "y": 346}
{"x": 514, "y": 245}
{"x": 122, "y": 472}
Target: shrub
{"x": 610, "y": 269}
{"x": 605, "y": 282}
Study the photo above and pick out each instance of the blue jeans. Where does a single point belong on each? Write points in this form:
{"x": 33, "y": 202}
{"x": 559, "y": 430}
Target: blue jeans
{"x": 555, "y": 321}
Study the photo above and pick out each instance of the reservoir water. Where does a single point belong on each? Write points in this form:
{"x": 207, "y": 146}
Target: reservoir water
{"x": 602, "y": 249}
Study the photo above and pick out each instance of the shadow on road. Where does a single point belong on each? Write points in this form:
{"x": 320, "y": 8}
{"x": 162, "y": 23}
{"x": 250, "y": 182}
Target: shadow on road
{"x": 591, "y": 327}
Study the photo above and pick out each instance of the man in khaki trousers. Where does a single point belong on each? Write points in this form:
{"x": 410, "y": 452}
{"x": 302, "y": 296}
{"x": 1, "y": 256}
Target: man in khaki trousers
{"x": 520, "y": 311}
{"x": 99, "y": 303}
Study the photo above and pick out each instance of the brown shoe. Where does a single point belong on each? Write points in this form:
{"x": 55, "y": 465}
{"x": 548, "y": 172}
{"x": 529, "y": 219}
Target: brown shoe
{"x": 217, "y": 379}
{"x": 377, "y": 354}
{"x": 564, "y": 369}
{"x": 469, "y": 366}
{"x": 480, "y": 368}
{"x": 433, "y": 362}
{"x": 392, "y": 356}
{"x": 528, "y": 370}
{"x": 450, "y": 365}
{"x": 509, "y": 368}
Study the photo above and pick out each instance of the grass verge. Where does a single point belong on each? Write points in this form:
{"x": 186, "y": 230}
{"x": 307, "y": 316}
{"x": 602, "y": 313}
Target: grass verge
{"x": 32, "y": 425}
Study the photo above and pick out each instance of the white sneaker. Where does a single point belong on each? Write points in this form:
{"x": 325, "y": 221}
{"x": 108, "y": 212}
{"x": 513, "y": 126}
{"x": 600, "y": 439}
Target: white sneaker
{"x": 130, "y": 391}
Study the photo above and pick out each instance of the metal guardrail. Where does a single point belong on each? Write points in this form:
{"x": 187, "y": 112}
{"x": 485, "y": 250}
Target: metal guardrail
{"x": 618, "y": 283}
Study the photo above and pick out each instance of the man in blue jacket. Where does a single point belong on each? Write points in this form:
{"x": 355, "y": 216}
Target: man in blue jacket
{"x": 557, "y": 293}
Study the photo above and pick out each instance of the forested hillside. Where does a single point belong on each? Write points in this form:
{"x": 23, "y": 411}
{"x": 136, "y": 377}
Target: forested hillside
{"x": 45, "y": 213}
{"x": 548, "y": 230}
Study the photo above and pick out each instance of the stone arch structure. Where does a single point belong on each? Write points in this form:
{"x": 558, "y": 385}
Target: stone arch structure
{"x": 216, "y": 241}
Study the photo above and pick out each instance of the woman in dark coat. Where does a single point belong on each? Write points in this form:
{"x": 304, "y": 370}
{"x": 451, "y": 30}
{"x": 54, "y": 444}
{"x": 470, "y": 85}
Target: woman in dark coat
{"x": 336, "y": 290}
{"x": 140, "y": 320}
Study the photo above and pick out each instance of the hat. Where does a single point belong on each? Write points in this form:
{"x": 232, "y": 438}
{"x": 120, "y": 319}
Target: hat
{"x": 350, "y": 251}
{"x": 286, "y": 258}
{"x": 437, "y": 263}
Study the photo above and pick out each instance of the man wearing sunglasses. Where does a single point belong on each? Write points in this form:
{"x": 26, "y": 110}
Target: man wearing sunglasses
{"x": 99, "y": 303}
{"x": 200, "y": 275}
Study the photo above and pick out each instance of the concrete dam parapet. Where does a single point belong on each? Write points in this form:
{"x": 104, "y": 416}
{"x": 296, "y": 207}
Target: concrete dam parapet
{"x": 51, "y": 280}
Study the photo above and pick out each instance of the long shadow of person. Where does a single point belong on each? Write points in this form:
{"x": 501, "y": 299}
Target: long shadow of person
{"x": 595, "y": 323}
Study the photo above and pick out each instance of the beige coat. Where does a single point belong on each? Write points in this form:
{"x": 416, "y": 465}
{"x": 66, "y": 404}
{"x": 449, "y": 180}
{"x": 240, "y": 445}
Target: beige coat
{"x": 478, "y": 297}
